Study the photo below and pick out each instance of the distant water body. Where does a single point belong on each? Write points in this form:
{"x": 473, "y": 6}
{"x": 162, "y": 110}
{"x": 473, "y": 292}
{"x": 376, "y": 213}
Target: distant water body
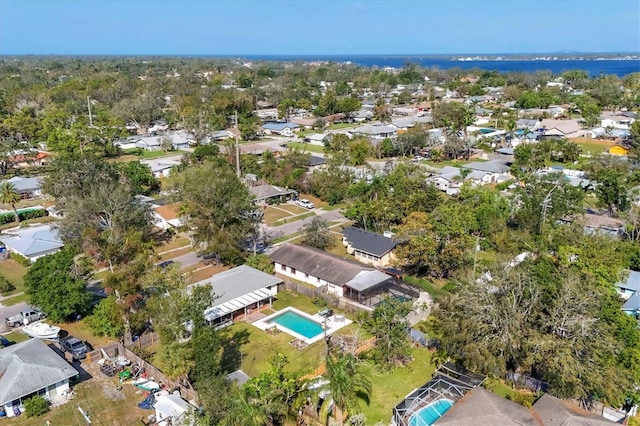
{"x": 594, "y": 67}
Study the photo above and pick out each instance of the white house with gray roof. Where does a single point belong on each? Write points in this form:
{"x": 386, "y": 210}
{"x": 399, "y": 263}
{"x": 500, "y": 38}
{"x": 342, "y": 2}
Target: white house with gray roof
{"x": 33, "y": 242}
{"x": 31, "y": 368}
{"x": 27, "y": 187}
{"x": 162, "y": 167}
{"x": 237, "y": 293}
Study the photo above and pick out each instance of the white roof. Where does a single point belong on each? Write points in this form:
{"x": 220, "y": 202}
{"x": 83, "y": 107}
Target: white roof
{"x": 171, "y": 405}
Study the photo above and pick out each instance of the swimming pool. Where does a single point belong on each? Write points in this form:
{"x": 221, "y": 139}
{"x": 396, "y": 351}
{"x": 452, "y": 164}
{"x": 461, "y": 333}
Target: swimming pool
{"x": 486, "y": 130}
{"x": 428, "y": 415}
{"x": 299, "y": 324}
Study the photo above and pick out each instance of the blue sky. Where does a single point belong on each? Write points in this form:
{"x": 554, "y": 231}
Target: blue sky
{"x": 310, "y": 27}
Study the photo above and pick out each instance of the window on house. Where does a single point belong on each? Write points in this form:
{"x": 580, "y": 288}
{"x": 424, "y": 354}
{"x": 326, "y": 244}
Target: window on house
{"x": 292, "y": 270}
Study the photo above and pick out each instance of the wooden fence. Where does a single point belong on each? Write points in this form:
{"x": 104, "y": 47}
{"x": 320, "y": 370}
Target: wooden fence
{"x": 118, "y": 349}
{"x": 362, "y": 347}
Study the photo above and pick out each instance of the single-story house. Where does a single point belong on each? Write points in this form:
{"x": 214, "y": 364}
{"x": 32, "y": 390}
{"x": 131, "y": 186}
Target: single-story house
{"x": 598, "y": 224}
{"x": 167, "y": 216}
{"x": 449, "y": 180}
{"x": 320, "y": 269}
{"x": 375, "y": 131}
{"x": 220, "y": 135}
{"x": 402, "y": 124}
{"x": 282, "y": 129}
{"x": 33, "y": 242}
{"x": 238, "y": 292}
{"x": 179, "y": 140}
{"x": 29, "y": 157}
{"x": 161, "y": 167}
{"x": 620, "y": 148}
{"x": 490, "y": 171}
{"x": 369, "y": 247}
{"x": 629, "y": 290}
{"x": 149, "y": 143}
{"x": 28, "y": 369}
{"x": 525, "y": 123}
{"x": 561, "y": 128}
{"x": 482, "y": 407}
{"x": 316, "y": 162}
{"x": 316, "y": 138}
{"x": 263, "y": 193}
{"x": 172, "y": 410}
{"x": 621, "y": 121}
{"x": 27, "y": 187}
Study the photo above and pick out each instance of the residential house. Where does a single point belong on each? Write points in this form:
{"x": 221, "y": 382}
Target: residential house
{"x": 525, "y": 123}
{"x": 598, "y": 224}
{"x": 402, "y": 124}
{"x": 149, "y": 143}
{"x": 28, "y": 369}
{"x": 172, "y": 410}
{"x": 494, "y": 171}
{"x": 167, "y": 216}
{"x": 161, "y": 167}
{"x": 361, "y": 115}
{"x": 449, "y": 180}
{"x": 620, "y": 148}
{"x": 320, "y": 269}
{"x": 369, "y": 247}
{"x": 316, "y": 138}
{"x": 220, "y": 135}
{"x": 561, "y": 128}
{"x": 377, "y": 131}
{"x": 179, "y": 140}
{"x": 316, "y": 162}
{"x": 265, "y": 193}
{"x": 33, "y": 242}
{"x": 629, "y": 290}
{"x": 483, "y": 407}
{"x": 29, "y": 157}
{"x": 27, "y": 187}
{"x": 622, "y": 121}
{"x": 238, "y": 292}
{"x": 282, "y": 129}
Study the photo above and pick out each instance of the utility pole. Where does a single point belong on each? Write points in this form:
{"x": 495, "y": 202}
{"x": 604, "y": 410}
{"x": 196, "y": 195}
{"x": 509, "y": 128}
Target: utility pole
{"x": 235, "y": 116}
{"x": 90, "y": 116}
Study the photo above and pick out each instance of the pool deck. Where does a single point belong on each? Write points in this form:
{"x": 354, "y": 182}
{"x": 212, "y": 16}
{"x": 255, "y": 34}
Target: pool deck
{"x": 333, "y": 324}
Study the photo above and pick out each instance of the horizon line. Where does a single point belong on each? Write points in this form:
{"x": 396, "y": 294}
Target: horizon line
{"x": 239, "y": 55}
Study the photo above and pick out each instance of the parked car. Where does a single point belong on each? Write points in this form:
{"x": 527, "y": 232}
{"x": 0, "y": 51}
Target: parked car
{"x": 24, "y": 317}
{"x": 165, "y": 264}
{"x": 74, "y": 346}
{"x": 304, "y": 203}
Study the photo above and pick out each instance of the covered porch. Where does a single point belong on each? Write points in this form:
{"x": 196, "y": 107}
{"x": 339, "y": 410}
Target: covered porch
{"x": 239, "y": 308}
{"x": 370, "y": 288}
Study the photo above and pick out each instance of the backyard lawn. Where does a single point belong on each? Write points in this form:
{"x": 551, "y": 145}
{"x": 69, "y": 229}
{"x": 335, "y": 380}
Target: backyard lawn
{"x": 14, "y": 273}
{"x": 306, "y": 147}
{"x": 390, "y": 388}
{"x": 593, "y": 148}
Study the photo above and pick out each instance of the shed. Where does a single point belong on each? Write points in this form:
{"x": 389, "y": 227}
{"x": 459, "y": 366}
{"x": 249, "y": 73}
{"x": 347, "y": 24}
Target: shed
{"x": 171, "y": 410}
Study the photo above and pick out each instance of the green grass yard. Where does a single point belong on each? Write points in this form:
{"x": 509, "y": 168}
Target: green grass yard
{"x": 389, "y": 388}
{"x": 14, "y": 273}
{"x": 15, "y": 300}
{"x": 307, "y": 147}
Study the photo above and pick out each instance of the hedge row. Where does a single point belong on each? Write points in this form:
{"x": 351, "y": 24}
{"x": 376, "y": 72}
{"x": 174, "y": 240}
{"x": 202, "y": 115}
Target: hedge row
{"x": 23, "y": 215}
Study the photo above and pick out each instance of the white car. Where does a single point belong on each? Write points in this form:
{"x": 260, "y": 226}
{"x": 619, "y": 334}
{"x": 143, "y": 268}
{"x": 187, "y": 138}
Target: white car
{"x": 305, "y": 203}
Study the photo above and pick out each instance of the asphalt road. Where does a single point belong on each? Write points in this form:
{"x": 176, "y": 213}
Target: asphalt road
{"x": 188, "y": 259}
{"x": 295, "y": 226}
{"x": 7, "y": 311}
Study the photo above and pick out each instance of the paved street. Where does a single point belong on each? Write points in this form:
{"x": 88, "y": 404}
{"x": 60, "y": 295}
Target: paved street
{"x": 7, "y": 311}
{"x": 293, "y": 227}
{"x": 188, "y": 259}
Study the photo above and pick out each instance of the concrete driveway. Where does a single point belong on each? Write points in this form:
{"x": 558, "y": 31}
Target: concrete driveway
{"x": 7, "y": 311}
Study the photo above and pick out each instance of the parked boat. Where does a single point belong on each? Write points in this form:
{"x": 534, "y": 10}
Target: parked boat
{"x": 41, "y": 330}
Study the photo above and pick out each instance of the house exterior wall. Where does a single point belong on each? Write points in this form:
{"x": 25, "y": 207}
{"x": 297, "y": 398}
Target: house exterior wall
{"x": 618, "y": 150}
{"x": 369, "y": 259}
{"x": 308, "y": 279}
{"x": 440, "y": 183}
{"x": 51, "y": 391}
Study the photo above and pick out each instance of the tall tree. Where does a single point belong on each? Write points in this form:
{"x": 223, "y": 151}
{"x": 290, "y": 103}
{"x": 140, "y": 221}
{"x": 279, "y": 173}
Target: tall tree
{"x": 388, "y": 323}
{"x": 57, "y": 284}
{"x": 219, "y": 206}
{"x": 348, "y": 382}
{"x": 317, "y": 234}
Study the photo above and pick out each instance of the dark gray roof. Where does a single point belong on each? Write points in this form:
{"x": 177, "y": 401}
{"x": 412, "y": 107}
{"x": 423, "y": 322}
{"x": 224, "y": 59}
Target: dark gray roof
{"x": 29, "y": 366}
{"x": 318, "y": 263}
{"x": 482, "y": 407}
{"x": 262, "y": 192}
{"x": 316, "y": 161}
{"x": 368, "y": 242}
{"x": 555, "y": 412}
{"x": 237, "y": 282}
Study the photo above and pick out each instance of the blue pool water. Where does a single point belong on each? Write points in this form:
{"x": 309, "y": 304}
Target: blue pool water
{"x": 429, "y": 414}
{"x": 298, "y": 324}
{"x": 485, "y": 130}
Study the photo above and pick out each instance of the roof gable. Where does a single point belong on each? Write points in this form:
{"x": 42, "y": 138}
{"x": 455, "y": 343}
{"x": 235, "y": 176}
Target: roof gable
{"x": 368, "y": 242}
{"x": 556, "y": 412}
{"x": 29, "y": 366}
{"x": 318, "y": 263}
{"x": 33, "y": 241}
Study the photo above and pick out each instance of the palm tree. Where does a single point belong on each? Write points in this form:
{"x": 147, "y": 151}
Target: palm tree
{"x": 9, "y": 196}
{"x": 347, "y": 383}
{"x": 245, "y": 410}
